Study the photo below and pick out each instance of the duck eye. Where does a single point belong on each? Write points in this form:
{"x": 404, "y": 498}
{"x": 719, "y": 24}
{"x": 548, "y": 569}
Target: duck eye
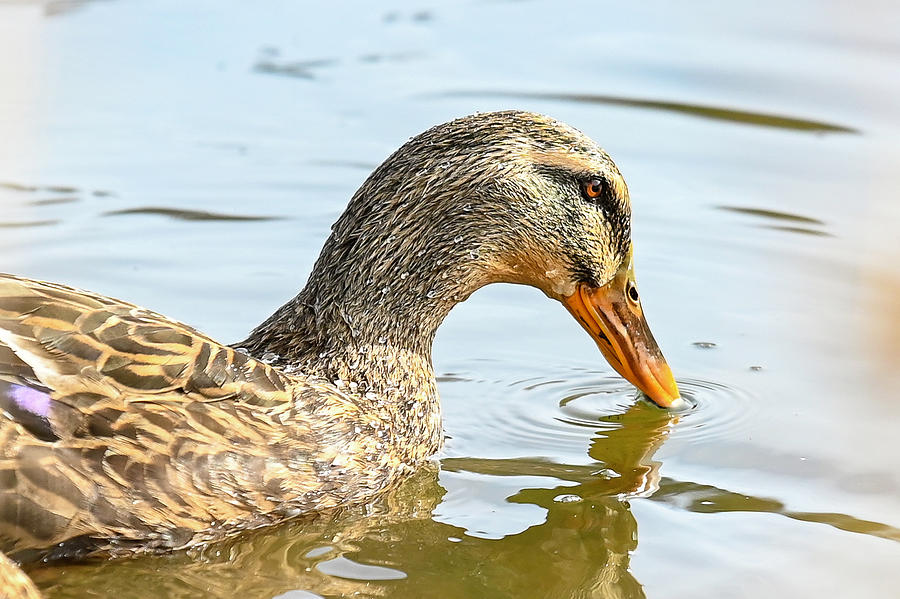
{"x": 593, "y": 188}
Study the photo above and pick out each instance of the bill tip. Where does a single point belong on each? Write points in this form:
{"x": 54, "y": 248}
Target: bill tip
{"x": 678, "y": 404}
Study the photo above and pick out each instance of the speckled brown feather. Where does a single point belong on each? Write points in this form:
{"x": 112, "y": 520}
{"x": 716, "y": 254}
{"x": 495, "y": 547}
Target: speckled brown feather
{"x": 158, "y": 437}
{"x": 178, "y": 441}
{"x": 15, "y": 584}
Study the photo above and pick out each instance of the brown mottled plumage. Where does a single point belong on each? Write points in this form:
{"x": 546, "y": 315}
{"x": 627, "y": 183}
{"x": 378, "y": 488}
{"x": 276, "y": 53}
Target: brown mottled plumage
{"x": 123, "y": 431}
{"x": 15, "y": 584}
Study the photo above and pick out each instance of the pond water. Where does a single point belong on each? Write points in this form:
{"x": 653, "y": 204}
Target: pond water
{"x": 190, "y": 157}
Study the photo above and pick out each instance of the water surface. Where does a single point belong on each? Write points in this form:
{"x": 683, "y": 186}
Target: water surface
{"x": 191, "y": 156}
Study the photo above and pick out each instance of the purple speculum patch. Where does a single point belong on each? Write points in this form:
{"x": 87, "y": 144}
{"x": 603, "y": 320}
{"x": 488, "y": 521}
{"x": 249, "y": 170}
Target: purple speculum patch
{"x": 28, "y": 399}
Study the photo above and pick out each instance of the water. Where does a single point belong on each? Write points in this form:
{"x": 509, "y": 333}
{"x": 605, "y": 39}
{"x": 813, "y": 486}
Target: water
{"x": 192, "y": 156}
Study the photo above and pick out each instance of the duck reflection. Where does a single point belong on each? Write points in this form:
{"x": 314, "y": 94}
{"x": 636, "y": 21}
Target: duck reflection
{"x": 580, "y": 546}
{"x": 583, "y": 547}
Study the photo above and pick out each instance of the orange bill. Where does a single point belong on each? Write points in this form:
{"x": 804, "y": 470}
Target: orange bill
{"x": 612, "y": 315}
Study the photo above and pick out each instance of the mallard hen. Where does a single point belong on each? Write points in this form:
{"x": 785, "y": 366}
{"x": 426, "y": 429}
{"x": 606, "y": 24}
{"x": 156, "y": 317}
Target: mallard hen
{"x": 123, "y": 431}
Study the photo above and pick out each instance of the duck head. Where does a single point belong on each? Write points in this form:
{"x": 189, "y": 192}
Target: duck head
{"x": 510, "y": 197}
{"x": 565, "y": 215}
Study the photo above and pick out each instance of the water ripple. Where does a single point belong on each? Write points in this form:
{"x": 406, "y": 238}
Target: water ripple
{"x": 191, "y": 215}
{"x": 27, "y": 224}
{"x": 718, "y": 113}
{"x": 796, "y": 223}
{"x": 715, "y": 410}
{"x": 560, "y": 414}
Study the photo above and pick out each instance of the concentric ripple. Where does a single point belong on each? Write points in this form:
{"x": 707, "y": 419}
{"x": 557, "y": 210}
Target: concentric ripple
{"x": 561, "y": 413}
{"x": 715, "y": 409}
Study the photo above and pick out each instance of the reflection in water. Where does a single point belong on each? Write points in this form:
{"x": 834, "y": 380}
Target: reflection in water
{"x": 12, "y": 186}
{"x": 17, "y": 186}
{"x": 182, "y": 214}
{"x": 772, "y": 214}
{"x": 302, "y": 69}
{"x": 66, "y": 190}
{"x": 777, "y": 216}
{"x": 54, "y": 201}
{"x": 258, "y": 565}
{"x": 707, "y": 499}
{"x": 27, "y": 224}
{"x": 306, "y": 69}
{"x": 708, "y": 112}
{"x": 581, "y": 549}
{"x": 800, "y": 230}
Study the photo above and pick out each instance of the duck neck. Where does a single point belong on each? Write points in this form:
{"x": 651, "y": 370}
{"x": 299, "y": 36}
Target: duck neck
{"x": 370, "y": 310}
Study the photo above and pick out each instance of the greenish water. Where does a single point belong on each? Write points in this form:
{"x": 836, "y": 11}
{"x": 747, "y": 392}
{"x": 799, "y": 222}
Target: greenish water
{"x": 191, "y": 156}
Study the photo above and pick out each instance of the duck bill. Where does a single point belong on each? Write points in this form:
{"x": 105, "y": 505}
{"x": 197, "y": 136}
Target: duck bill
{"x": 613, "y": 317}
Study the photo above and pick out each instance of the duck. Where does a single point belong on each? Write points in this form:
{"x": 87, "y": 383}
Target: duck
{"x": 125, "y": 432}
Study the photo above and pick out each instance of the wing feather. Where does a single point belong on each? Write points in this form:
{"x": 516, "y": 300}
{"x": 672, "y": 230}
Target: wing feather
{"x": 119, "y": 425}
{"x": 75, "y": 342}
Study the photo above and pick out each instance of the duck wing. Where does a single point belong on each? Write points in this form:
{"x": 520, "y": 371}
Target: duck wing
{"x": 71, "y": 341}
{"x": 118, "y": 422}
